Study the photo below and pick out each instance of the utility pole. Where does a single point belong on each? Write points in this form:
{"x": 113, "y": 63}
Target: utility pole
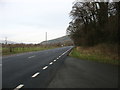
{"x": 5, "y": 40}
{"x": 46, "y": 38}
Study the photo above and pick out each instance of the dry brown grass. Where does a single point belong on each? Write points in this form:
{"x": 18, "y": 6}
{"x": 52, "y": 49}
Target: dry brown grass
{"x": 105, "y": 53}
{"x": 106, "y": 50}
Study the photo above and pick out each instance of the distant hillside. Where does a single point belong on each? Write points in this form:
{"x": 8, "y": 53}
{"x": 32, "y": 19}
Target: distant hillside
{"x": 61, "y": 40}
{"x": 8, "y": 42}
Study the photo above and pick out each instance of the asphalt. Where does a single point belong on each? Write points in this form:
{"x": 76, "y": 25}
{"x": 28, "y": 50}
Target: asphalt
{"x": 76, "y": 73}
{"x": 32, "y": 70}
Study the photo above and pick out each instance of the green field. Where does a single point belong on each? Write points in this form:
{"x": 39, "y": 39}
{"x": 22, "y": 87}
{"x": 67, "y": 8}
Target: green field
{"x": 15, "y": 50}
{"x": 86, "y": 54}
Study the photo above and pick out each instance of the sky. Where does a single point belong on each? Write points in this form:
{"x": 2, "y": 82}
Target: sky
{"x": 27, "y": 21}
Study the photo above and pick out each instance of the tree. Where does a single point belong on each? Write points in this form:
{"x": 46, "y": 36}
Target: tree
{"x": 90, "y": 20}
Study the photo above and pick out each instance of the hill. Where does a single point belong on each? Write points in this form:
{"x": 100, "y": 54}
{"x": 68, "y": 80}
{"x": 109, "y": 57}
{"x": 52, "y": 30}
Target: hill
{"x": 62, "y": 41}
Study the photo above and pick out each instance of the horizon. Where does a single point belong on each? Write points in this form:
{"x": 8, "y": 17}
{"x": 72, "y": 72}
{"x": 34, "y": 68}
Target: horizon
{"x": 3, "y": 41}
{"x": 27, "y": 21}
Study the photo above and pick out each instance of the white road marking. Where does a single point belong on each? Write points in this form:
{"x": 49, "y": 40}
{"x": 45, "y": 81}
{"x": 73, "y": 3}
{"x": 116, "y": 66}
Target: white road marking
{"x": 54, "y": 60}
{"x": 66, "y": 51}
{"x": 60, "y": 55}
{"x": 63, "y": 54}
{"x": 35, "y": 74}
{"x": 45, "y": 67}
{"x": 31, "y": 56}
{"x": 51, "y": 63}
{"x": 18, "y": 87}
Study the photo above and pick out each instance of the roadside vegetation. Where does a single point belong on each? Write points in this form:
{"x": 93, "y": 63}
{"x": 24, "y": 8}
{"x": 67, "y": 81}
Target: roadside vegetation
{"x": 99, "y": 53}
{"x": 8, "y": 49}
{"x": 94, "y": 28}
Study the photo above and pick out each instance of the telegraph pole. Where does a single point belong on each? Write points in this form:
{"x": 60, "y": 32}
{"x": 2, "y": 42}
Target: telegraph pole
{"x": 46, "y": 38}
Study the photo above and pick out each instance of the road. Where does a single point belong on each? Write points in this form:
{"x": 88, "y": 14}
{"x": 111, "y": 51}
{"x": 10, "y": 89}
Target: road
{"x": 78, "y": 73}
{"x": 32, "y": 70}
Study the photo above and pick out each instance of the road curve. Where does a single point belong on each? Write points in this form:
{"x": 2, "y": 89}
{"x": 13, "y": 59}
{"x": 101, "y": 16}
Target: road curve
{"x": 32, "y": 70}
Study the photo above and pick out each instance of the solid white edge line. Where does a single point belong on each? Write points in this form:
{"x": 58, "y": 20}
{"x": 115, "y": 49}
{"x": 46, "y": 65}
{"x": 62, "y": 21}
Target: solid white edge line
{"x": 35, "y": 74}
{"x": 45, "y": 67}
{"x": 18, "y": 87}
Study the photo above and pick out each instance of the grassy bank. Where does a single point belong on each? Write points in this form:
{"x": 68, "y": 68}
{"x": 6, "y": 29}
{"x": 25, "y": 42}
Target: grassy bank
{"x": 100, "y": 53}
{"x": 6, "y": 51}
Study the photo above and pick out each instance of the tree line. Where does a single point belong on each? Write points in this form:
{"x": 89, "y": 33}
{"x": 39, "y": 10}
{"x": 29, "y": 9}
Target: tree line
{"x": 94, "y": 22}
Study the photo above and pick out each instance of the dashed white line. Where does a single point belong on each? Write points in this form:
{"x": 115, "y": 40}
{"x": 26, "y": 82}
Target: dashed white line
{"x": 31, "y": 56}
{"x": 45, "y": 67}
{"x": 51, "y": 63}
{"x": 18, "y": 87}
{"x": 63, "y": 54}
{"x": 59, "y": 56}
{"x": 54, "y": 60}
{"x": 36, "y": 74}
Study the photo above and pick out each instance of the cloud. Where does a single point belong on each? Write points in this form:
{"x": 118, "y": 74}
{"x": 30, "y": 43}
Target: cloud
{"x": 28, "y": 20}
{"x": 33, "y": 1}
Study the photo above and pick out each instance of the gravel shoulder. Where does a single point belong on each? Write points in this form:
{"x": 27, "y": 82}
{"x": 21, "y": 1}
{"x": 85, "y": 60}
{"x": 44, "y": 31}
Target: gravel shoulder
{"x": 76, "y": 73}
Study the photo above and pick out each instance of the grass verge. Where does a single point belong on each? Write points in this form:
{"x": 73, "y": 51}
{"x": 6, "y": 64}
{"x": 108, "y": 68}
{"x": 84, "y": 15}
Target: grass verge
{"x": 6, "y": 51}
{"x": 98, "y": 53}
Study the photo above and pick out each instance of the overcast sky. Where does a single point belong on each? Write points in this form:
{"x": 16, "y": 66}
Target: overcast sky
{"x": 27, "y": 21}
